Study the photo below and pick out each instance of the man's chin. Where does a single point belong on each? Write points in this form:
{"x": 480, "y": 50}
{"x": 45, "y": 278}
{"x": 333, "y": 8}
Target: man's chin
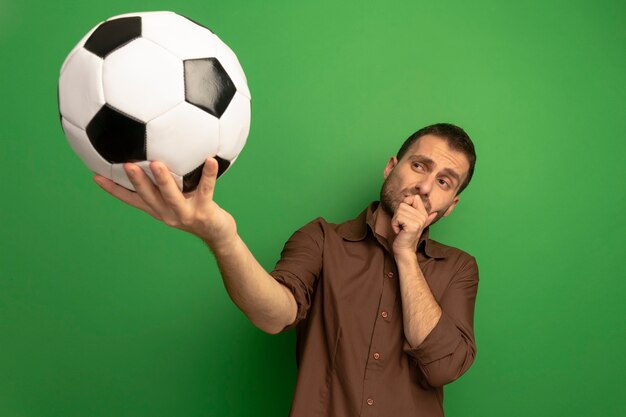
{"x": 438, "y": 217}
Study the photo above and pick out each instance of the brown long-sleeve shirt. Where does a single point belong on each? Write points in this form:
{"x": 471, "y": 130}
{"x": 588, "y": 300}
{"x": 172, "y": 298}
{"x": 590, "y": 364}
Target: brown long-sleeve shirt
{"x": 353, "y": 358}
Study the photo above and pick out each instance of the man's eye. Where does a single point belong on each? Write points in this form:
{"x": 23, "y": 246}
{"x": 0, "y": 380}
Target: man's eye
{"x": 417, "y": 165}
{"x": 444, "y": 183}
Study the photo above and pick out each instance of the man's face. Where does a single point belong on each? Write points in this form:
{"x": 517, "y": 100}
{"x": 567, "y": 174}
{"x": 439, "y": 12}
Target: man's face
{"x": 430, "y": 169}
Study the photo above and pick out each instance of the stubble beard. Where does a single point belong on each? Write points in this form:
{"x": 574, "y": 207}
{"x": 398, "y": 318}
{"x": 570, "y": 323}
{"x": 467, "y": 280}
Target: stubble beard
{"x": 390, "y": 198}
{"x": 387, "y": 202}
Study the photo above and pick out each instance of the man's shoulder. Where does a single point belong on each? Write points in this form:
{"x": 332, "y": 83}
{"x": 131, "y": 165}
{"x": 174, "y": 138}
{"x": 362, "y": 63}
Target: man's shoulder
{"x": 451, "y": 255}
{"x": 353, "y": 229}
{"x": 448, "y": 250}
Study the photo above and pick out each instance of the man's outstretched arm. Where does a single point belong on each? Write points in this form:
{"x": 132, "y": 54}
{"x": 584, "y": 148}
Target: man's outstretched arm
{"x": 268, "y": 304}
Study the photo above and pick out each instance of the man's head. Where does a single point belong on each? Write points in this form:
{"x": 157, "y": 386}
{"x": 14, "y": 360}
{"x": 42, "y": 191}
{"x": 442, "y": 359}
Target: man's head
{"x": 436, "y": 163}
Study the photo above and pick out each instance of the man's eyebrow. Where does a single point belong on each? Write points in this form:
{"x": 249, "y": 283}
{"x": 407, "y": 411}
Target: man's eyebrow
{"x": 423, "y": 159}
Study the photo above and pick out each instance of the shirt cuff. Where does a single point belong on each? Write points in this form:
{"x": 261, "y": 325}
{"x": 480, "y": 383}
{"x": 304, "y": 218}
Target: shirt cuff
{"x": 442, "y": 341}
{"x": 299, "y": 292}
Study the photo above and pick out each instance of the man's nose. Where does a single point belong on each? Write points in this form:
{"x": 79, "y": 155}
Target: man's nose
{"x": 425, "y": 184}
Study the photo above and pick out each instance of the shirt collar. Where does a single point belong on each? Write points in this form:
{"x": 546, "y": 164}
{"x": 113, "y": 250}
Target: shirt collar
{"x": 356, "y": 229}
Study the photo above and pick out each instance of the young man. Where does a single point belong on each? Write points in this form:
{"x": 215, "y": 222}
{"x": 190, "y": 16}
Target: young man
{"x": 384, "y": 315}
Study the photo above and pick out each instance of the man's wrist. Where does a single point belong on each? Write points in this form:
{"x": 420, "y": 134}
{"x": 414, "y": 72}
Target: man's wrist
{"x": 222, "y": 247}
{"x": 405, "y": 254}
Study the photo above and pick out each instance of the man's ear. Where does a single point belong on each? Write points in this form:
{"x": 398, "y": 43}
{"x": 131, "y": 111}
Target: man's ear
{"x": 391, "y": 164}
{"x": 451, "y": 206}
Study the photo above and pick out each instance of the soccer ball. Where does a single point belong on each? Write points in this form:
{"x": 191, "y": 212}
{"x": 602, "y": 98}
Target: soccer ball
{"x": 152, "y": 86}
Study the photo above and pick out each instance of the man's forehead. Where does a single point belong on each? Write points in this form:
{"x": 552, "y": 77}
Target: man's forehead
{"x": 438, "y": 150}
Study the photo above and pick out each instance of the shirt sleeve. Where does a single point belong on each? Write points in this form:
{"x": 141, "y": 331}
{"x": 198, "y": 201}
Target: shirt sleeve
{"x": 450, "y": 348}
{"x": 300, "y": 265}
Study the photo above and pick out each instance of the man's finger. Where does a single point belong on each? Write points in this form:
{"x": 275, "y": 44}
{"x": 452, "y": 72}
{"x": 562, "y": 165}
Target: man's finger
{"x": 417, "y": 203}
{"x": 206, "y": 186}
{"x": 123, "y": 194}
{"x": 169, "y": 190}
{"x": 145, "y": 188}
{"x": 431, "y": 218}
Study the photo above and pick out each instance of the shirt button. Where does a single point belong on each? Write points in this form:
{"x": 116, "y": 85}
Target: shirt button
{"x": 390, "y": 274}
{"x": 384, "y": 314}
{"x": 376, "y": 355}
{"x": 370, "y": 401}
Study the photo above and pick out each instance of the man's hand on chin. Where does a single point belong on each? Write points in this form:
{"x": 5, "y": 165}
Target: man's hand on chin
{"x": 409, "y": 221}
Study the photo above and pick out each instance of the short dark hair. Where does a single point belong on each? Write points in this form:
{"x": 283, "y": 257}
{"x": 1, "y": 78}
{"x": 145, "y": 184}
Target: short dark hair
{"x": 455, "y": 137}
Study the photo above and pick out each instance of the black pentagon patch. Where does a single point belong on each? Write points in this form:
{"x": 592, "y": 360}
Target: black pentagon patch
{"x": 222, "y": 165}
{"x": 112, "y": 34}
{"x": 192, "y": 179}
{"x": 117, "y": 137}
{"x": 208, "y": 86}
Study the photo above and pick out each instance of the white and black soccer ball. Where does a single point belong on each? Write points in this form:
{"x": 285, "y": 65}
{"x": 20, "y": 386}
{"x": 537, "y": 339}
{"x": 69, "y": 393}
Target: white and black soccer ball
{"x": 152, "y": 86}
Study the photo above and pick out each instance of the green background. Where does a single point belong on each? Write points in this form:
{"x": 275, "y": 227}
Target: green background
{"x": 106, "y": 312}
